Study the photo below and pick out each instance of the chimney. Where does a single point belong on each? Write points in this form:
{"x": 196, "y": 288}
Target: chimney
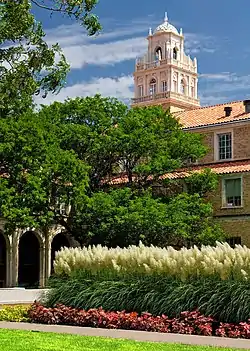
{"x": 228, "y": 110}
{"x": 247, "y": 106}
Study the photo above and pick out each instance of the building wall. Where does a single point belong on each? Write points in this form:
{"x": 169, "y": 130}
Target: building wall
{"x": 236, "y": 227}
{"x": 240, "y": 140}
{"x": 216, "y": 197}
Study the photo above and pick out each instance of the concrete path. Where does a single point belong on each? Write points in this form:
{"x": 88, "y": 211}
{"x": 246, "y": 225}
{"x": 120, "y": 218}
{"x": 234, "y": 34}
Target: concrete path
{"x": 133, "y": 335}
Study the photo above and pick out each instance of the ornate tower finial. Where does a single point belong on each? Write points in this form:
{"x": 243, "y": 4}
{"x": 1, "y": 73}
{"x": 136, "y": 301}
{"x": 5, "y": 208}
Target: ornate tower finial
{"x": 166, "y": 17}
{"x": 150, "y": 31}
{"x": 181, "y": 31}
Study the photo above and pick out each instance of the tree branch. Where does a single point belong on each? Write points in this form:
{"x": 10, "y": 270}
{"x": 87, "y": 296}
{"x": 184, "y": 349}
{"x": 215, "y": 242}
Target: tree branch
{"x": 48, "y": 8}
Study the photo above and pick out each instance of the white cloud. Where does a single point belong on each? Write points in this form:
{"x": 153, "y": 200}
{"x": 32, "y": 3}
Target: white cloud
{"x": 114, "y": 46}
{"x": 225, "y": 82}
{"x": 224, "y": 76}
{"x": 196, "y": 43}
{"x": 221, "y": 87}
{"x": 105, "y": 54}
{"x": 121, "y": 88}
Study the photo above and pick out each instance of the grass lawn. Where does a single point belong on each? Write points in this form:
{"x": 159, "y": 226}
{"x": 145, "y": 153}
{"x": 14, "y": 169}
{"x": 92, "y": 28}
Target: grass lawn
{"x": 15, "y": 340}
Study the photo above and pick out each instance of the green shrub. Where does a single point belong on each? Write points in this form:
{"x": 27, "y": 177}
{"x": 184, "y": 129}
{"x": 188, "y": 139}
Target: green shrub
{"x": 227, "y": 301}
{"x": 14, "y": 313}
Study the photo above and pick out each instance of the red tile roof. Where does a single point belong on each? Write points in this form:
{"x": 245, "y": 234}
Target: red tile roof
{"x": 211, "y": 115}
{"x": 218, "y": 168}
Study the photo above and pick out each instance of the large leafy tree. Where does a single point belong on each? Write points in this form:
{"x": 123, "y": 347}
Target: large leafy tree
{"x": 36, "y": 175}
{"x": 28, "y": 65}
{"x": 132, "y": 148}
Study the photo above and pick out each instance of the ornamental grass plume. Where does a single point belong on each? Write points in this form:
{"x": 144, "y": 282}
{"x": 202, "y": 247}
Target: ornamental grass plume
{"x": 219, "y": 261}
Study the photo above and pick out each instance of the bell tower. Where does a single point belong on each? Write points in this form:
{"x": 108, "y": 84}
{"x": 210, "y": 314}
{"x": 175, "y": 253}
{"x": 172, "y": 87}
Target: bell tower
{"x": 165, "y": 75}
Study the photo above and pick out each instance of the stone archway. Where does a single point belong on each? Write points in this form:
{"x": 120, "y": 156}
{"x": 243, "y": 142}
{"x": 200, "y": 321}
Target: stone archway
{"x": 29, "y": 260}
{"x": 59, "y": 241}
{"x": 3, "y": 261}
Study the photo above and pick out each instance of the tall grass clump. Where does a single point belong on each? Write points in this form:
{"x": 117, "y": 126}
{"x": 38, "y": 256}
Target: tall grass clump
{"x": 220, "y": 261}
{"x": 225, "y": 300}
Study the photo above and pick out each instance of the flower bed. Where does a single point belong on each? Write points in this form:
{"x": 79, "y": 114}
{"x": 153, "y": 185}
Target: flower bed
{"x": 188, "y": 322}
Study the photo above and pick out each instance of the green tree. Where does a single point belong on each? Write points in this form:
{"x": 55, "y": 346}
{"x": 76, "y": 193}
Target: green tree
{"x": 71, "y": 153}
{"x": 137, "y": 146}
{"x": 28, "y": 65}
{"x": 37, "y": 176}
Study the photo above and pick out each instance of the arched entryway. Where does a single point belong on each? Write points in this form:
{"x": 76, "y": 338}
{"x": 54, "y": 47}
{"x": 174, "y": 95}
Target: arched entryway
{"x": 59, "y": 241}
{"x": 29, "y": 260}
{"x": 3, "y": 259}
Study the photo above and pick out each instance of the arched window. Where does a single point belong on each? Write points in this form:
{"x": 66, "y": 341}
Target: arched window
{"x": 152, "y": 86}
{"x": 175, "y": 53}
{"x": 183, "y": 87}
{"x": 158, "y": 54}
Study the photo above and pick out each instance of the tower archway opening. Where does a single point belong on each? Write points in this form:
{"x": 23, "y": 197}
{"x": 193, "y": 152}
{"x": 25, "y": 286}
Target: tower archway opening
{"x": 29, "y": 260}
{"x": 158, "y": 53}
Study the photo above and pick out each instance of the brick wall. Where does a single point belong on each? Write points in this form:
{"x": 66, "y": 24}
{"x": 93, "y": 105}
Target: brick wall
{"x": 237, "y": 227}
{"x": 216, "y": 198}
{"x": 241, "y": 145}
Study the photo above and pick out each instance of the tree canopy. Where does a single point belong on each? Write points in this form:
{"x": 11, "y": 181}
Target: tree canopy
{"x": 28, "y": 66}
{"x": 70, "y": 154}
{"x": 91, "y": 165}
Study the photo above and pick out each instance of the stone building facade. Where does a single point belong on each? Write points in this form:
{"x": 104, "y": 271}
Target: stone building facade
{"x": 166, "y": 76}
{"x": 26, "y": 256}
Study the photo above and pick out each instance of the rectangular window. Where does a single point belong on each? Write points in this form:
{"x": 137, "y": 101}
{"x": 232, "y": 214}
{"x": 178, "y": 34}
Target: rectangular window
{"x": 175, "y": 86}
{"x": 192, "y": 92}
{"x": 232, "y": 192}
{"x": 235, "y": 240}
{"x": 164, "y": 86}
{"x": 140, "y": 90}
{"x": 225, "y": 146}
{"x": 152, "y": 89}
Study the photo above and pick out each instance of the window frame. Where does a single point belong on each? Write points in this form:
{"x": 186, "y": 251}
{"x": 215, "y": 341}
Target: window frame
{"x": 217, "y": 147}
{"x": 164, "y": 84}
{"x": 140, "y": 90}
{"x": 224, "y": 197}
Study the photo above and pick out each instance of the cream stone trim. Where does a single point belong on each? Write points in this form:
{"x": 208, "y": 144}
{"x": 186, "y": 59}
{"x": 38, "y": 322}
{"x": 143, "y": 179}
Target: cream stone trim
{"x": 216, "y": 144}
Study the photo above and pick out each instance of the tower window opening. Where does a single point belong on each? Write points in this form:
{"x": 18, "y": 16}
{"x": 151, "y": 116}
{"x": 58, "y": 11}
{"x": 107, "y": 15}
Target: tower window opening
{"x": 175, "y": 53}
{"x": 140, "y": 90}
{"x": 152, "y": 87}
{"x": 164, "y": 86}
{"x": 158, "y": 54}
{"x": 183, "y": 87}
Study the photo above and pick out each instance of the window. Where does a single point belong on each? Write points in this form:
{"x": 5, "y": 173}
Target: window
{"x": 164, "y": 86}
{"x": 175, "y": 54}
{"x": 225, "y": 146}
{"x": 235, "y": 240}
{"x": 183, "y": 87}
{"x": 152, "y": 87}
{"x": 232, "y": 192}
{"x": 158, "y": 54}
{"x": 192, "y": 91}
{"x": 140, "y": 90}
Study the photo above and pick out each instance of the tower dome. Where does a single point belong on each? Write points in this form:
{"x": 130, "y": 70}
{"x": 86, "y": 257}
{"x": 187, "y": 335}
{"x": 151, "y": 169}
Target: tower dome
{"x": 166, "y": 27}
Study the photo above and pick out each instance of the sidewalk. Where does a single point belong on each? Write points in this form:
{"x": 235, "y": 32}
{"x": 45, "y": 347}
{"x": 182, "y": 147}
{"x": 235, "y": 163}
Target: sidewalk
{"x": 19, "y": 296}
{"x": 133, "y": 335}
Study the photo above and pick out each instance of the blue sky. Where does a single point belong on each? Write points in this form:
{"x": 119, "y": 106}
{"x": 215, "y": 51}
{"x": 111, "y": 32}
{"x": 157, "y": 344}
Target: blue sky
{"x": 216, "y": 32}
